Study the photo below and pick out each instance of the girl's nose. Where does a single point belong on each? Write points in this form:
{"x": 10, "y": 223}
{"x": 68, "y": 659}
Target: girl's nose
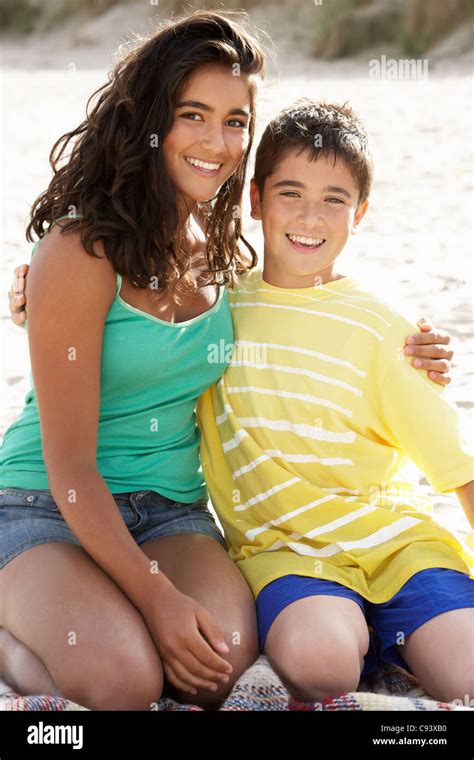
{"x": 213, "y": 140}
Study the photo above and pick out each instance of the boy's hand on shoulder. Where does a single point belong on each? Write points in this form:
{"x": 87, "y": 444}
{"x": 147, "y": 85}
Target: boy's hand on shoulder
{"x": 430, "y": 349}
{"x": 16, "y": 295}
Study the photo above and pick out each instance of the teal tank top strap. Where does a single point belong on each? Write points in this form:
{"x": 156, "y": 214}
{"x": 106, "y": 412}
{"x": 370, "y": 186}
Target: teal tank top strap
{"x": 65, "y": 216}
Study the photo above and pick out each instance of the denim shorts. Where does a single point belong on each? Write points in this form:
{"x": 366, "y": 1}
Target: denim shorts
{"x": 32, "y": 517}
{"x": 425, "y": 595}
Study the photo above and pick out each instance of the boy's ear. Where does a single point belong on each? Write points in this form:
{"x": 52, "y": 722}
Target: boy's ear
{"x": 255, "y": 207}
{"x": 359, "y": 215}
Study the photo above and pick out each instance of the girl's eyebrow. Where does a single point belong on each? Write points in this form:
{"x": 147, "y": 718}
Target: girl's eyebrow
{"x": 205, "y": 107}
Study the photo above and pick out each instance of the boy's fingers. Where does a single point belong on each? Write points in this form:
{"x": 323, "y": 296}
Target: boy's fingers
{"x": 16, "y": 303}
{"x": 21, "y": 269}
{"x": 18, "y": 285}
{"x": 433, "y": 336}
{"x": 19, "y": 318}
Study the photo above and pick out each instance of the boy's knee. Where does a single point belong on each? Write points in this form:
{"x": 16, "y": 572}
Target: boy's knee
{"x": 324, "y": 680}
{"x": 310, "y": 676}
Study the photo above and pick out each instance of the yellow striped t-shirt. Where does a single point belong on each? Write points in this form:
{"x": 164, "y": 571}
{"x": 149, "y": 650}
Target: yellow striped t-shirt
{"x": 305, "y": 439}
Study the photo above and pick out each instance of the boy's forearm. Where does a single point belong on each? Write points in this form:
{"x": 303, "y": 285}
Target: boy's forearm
{"x": 465, "y": 495}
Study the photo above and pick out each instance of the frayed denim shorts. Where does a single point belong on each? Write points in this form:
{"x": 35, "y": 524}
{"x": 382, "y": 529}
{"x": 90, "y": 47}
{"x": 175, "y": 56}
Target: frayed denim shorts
{"x": 32, "y": 517}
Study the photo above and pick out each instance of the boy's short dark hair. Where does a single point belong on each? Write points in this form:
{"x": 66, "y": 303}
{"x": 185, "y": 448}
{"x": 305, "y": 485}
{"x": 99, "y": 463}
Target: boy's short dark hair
{"x": 324, "y": 129}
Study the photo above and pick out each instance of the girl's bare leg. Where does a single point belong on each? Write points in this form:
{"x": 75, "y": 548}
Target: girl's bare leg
{"x": 70, "y": 616}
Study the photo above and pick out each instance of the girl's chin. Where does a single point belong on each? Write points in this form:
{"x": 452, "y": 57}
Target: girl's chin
{"x": 203, "y": 195}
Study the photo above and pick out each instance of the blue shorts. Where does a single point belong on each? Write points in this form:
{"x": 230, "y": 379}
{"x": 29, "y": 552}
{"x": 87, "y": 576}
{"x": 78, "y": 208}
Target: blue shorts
{"x": 425, "y": 595}
{"x": 32, "y": 517}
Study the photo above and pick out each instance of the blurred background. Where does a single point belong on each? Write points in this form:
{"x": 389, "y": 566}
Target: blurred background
{"x": 417, "y": 238}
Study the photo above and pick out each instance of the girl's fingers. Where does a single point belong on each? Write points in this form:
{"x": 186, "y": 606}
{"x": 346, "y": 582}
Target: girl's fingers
{"x": 200, "y": 671}
{"x": 432, "y": 365}
{"x": 182, "y": 669}
{"x": 177, "y": 682}
{"x": 210, "y": 642}
{"x": 432, "y": 336}
{"x": 433, "y": 351}
{"x": 424, "y": 323}
{"x": 436, "y": 377}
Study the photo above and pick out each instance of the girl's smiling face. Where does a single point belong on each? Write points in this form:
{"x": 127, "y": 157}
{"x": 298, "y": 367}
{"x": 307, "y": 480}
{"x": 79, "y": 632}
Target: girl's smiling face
{"x": 210, "y": 133}
{"x": 308, "y": 211}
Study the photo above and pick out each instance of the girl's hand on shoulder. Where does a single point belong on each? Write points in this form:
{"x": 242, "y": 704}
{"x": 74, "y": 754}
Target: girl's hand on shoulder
{"x": 430, "y": 349}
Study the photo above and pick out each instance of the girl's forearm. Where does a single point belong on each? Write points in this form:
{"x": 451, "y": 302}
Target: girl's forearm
{"x": 93, "y": 516}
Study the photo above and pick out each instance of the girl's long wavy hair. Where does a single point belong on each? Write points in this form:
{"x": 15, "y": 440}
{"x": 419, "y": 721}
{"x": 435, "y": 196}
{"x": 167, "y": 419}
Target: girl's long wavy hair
{"x": 115, "y": 186}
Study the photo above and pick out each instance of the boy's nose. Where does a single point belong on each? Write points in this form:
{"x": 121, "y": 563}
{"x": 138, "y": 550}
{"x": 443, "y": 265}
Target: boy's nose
{"x": 312, "y": 217}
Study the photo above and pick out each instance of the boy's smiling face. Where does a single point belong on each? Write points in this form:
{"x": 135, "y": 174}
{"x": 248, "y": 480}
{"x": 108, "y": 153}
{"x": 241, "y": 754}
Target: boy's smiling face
{"x": 308, "y": 210}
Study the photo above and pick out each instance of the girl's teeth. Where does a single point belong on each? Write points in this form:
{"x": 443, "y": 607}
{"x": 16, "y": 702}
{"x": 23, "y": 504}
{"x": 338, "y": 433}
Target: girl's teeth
{"x": 305, "y": 240}
{"x": 202, "y": 164}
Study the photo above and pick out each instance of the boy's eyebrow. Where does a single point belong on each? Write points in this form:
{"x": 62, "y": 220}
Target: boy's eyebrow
{"x": 291, "y": 182}
{"x": 336, "y": 189}
{"x": 205, "y": 107}
{"x": 328, "y": 189}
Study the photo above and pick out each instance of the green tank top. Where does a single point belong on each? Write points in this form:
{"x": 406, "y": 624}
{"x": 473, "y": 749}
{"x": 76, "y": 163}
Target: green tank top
{"x": 152, "y": 374}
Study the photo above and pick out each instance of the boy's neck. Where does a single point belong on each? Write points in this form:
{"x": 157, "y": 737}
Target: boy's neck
{"x": 280, "y": 279}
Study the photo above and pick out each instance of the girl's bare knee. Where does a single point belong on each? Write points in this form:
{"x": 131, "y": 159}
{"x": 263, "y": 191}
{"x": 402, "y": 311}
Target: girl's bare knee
{"x": 117, "y": 680}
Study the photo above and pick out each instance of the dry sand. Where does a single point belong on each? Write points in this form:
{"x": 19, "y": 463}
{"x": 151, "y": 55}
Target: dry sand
{"x": 416, "y": 239}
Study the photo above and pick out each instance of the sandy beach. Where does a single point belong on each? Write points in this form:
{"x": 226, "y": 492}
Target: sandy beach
{"x": 416, "y": 240}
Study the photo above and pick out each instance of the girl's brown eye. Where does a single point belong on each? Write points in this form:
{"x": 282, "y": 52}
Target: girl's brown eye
{"x": 187, "y": 115}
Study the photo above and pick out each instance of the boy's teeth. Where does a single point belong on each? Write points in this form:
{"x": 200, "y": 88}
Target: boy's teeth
{"x": 202, "y": 164}
{"x": 306, "y": 240}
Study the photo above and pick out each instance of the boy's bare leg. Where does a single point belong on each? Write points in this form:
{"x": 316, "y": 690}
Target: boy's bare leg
{"x": 441, "y": 655}
{"x": 317, "y": 646}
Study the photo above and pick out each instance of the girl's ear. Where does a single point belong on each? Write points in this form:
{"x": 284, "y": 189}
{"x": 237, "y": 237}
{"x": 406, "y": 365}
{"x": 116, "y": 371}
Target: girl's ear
{"x": 255, "y": 207}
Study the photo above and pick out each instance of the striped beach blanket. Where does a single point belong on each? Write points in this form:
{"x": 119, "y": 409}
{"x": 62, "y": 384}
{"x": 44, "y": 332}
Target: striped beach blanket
{"x": 259, "y": 688}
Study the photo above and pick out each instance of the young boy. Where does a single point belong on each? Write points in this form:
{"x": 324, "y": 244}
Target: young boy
{"x": 305, "y": 437}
